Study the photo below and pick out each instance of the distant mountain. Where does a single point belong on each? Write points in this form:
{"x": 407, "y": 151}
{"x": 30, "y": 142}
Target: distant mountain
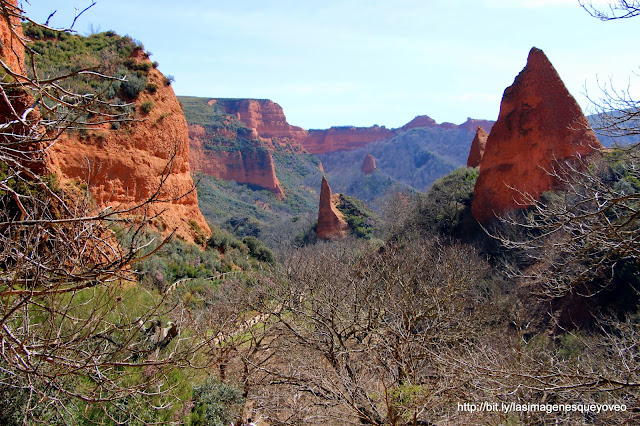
{"x": 413, "y": 159}
{"x": 598, "y": 121}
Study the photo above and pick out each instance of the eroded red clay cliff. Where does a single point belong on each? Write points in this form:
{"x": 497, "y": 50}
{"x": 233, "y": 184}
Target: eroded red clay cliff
{"x": 125, "y": 167}
{"x": 253, "y": 167}
{"x": 263, "y": 115}
{"x": 331, "y": 223}
{"x": 12, "y": 49}
{"x": 478, "y": 146}
{"x": 540, "y": 124}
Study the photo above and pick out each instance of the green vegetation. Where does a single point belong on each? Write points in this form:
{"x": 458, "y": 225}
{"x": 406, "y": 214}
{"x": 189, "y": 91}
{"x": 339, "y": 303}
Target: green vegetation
{"x": 360, "y": 218}
{"x": 60, "y": 53}
{"x": 216, "y": 404}
{"x": 146, "y": 106}
{"x": 448, "y": 201}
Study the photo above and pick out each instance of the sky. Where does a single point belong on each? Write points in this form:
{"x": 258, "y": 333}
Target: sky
{"x": 365, "y": 62}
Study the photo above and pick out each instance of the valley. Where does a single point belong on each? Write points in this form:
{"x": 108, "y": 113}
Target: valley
{"x": 202, "y": 261}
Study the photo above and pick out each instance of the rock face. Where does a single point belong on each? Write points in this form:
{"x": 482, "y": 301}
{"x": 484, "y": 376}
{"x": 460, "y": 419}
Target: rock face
{"x": 253, "y": 167}
{"x": 540, "y": 125}
{"x": 477, "y": 148}
{"x": 12, "y": 50}
{"x": 29, "y": 154}
{"x": 331, "y": 224}
{"x": 126, "y": 166}
{"x": 342, "y": 138}
{"x": 263, "y": 115}
{"x": 369, "y": 165}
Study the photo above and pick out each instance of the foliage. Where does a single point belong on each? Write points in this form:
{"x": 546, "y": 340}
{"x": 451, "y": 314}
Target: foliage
{"x": 146, "y": 107}
{"x": 105, "y": 53}
{"x": 216, "y": 404}
{"x": 258, "y": 250}
{"x": 442, "y": 210}
{"x": 246, "y": 210}
{"x": 361, "y": 220}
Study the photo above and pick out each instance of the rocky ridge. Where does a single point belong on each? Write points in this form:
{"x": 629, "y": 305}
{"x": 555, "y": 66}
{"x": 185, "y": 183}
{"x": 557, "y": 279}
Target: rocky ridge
{"x": 268, "y": 119}
{"x": 540, "y": 126}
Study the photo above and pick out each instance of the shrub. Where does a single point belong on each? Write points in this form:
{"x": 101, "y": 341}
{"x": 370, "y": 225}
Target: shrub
{"x": 151, "y": 88}
{"x": 258, "y": 251}
{"x": 146, "y": 106}
{"x": 216, "y": 403}
{"x": 133, "y": 85}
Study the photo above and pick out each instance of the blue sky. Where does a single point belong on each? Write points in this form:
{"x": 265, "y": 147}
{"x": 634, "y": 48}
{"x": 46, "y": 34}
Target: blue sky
{"x": 357, "y": 62}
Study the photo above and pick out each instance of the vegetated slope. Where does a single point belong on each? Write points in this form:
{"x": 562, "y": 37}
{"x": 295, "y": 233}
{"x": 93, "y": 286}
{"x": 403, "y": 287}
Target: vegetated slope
{"x": 124, "y": 163}
{"x": 413, "y": 159}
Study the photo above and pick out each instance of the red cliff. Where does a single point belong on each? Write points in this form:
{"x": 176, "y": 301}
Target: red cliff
{"x": 12, "y": 49}
{"x": 540, "y": 125}
{"x": 477, "y": 148}
{"x": 263, "y": 115}
{"x": 250, "y": 166}
{"x": 343, "y": 138}
{"x": 124, "y": 167}
{"x": 369, "y": 165}
{"x": 331, "y": 224}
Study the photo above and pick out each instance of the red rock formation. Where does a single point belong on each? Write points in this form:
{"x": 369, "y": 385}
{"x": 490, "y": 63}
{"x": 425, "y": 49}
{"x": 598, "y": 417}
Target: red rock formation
{"x": 268, "y": 119}
{"x": 253, "y": 167}
{"x": 540, "y": 124}
{"x": 124, "y": 167}
{"x": 477, "y": 148}
{"x": 263, "y": 115}
{"x": 369, "y": 165}
{"x": 331, "y": 224}
{"x": 27, "y": 151}
{"x": 12, "y": 49}
{"x": 343, "y": 138}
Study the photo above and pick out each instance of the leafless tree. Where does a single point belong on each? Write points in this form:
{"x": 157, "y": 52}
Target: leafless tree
{"x": 357, "y": 330}
{"x": 617, "y": 9}
{"x": 70, "y": 342}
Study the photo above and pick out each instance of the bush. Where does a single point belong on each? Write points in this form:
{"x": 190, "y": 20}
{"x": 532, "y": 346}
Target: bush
{"x": 258, "y": 251}
{"x": 151, "y": 88}
{"x": 168, "y": 80}
{"x": 216, "y": 403}
{"x": 133, "y": 85}
{"x": 146, "y": 107}
{"x": 446, "y": 204}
